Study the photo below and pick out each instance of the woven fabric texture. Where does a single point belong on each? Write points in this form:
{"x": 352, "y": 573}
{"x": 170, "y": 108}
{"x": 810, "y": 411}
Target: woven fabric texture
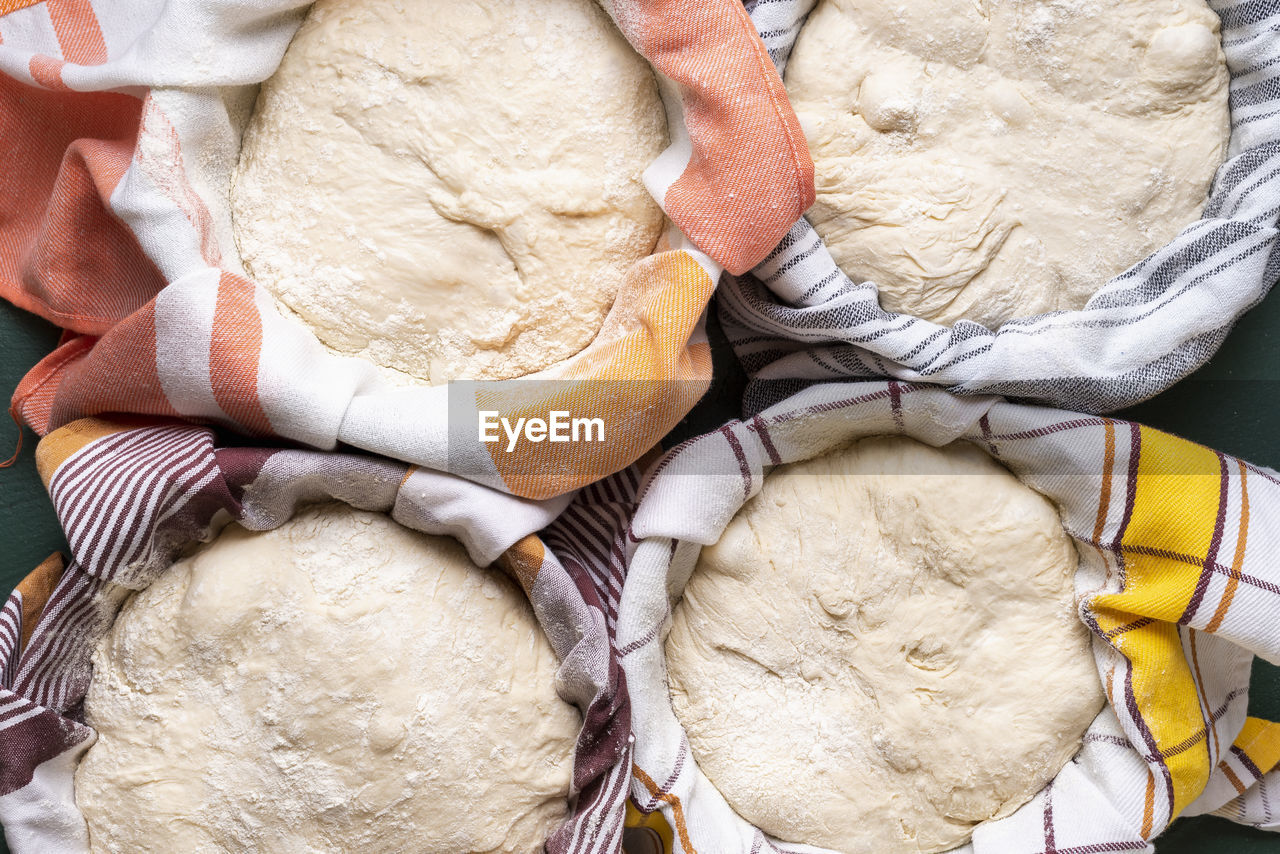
{"x": 1175, "y": 581}
{"x": 797, "y": 318}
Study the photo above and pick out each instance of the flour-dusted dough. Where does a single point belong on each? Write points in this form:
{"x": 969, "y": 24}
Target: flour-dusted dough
{"x": 338, "y": 684}
{"x": 882, "y": 649}
{"x": 451, "y": 190}
{"x": 991, "y": 159}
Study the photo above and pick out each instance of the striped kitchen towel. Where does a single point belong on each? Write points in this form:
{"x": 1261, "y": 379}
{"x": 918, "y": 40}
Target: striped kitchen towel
{"x": 114, "y": 224}
{"x": 1177, "y": 580}
{"x": 797, "y": 317}
{"x": 132, "y": 493}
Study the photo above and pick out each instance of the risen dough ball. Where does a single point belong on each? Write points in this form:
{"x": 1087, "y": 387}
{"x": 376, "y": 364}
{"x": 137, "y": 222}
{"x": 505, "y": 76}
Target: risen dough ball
{"x": 451, "y": 190}
{"x": 1001, "y": 158}
{"x": 882, "y": 649}
{"x": 338, "y": 684}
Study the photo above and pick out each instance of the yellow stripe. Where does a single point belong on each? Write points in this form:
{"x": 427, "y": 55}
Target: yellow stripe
{"x": 1260, "y": 740}
{"x": 1174, "y": 512}
{"x": 660, "y": 834}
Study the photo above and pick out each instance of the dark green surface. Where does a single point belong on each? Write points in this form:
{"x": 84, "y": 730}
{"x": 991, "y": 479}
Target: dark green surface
{"x": 1231, "y": 404}
{"x": 29, "y": 531}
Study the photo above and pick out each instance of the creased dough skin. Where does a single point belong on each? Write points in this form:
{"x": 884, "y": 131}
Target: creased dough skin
{"x": 993, "y": 159}
{"x": 882, "y": 649}
{"x": 451, "y": 190}
{"x": 339, "y": 684}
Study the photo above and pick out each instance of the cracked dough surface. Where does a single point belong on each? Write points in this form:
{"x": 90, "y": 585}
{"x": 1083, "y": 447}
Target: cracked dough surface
{"x": 338, "y": 684}
{"x": 883, "y": 650}
{"x": 451, "y": 190}
{"x": 992, "y": 159}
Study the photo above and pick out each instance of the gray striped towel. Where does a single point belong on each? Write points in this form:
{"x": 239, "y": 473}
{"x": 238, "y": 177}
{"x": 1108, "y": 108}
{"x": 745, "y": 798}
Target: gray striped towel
{"x": 797, "y": 318}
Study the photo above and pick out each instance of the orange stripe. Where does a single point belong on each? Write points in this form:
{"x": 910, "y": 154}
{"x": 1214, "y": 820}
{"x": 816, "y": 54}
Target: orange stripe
{"x": 36, "y": 589}
{"x": 47, "y": 71}
{"x": 1238, "y": 560}
{"x": 7, "y": 6}
{"x": 677, "y": 810}
{"x": 63, "y": 253}
{"x": 640, "y": 381}
{"x": 1104, "y": 501}
{"x": 235, "y": 347}
{"x": 79, "y": 34}
{"x": 749, "y": 176}
{"x": 1149, "y": 806}
{"x": 56, "y": 448}
{"x": 164, "y": 167}
{"x": 1232, "y": 778}
{"x": 523, "y": 561}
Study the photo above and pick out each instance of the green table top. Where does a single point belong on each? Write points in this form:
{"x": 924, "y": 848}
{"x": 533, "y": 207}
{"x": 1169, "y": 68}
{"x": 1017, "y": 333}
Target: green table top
{"x": 1231, "y": 404}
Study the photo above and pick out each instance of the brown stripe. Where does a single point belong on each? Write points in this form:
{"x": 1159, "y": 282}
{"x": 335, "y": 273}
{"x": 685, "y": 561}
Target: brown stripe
{"x": 1130, "y": 494}
{"x": 1232, "y": 778}
{"x": 744, "y": 468}
{"x": 895, "y": 405}
{"x": 1233, "y": 580}
{"x": 1104, "y": 847}
{"x": 677, "y": 810}
{"x": 1192, "y": 740}
{"x": 636, "y": 644}
{"x": 1262, "y": 473}
{"x": 1204, "y": 700}
{"x": 984, "y": 424}
{"x": 1149, "y": 739}
{"x": 1139, "y": 623}
{"x": 1246, "y": 762}
{"x": 30, "y": 743}
{"x": 1230, "y": 572}
{"x": 1050, "y": 430}
{"x": 1215, "y": 542}
{"x": 762, "y": 431}
{"x": 1049, "y": 846}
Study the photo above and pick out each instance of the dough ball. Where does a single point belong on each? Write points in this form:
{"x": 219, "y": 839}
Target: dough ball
{"x": 451, "y": 190}
{"x": 1001, "y": 158}
{"x": 338, "y": 684}
{"x": 882, "y": 650}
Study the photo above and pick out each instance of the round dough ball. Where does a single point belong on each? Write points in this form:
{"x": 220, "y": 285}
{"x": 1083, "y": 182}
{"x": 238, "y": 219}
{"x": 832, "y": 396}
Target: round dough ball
{"x": 882, "y": 649}
{"x": 451, "y": 190}
{"x": 340, "y": 683}
{"x": 1002, "y": 158}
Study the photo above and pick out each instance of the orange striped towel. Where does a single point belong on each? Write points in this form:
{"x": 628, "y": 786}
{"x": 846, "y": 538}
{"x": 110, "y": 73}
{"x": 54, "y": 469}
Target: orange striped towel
{"x": 112, "y": 224}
